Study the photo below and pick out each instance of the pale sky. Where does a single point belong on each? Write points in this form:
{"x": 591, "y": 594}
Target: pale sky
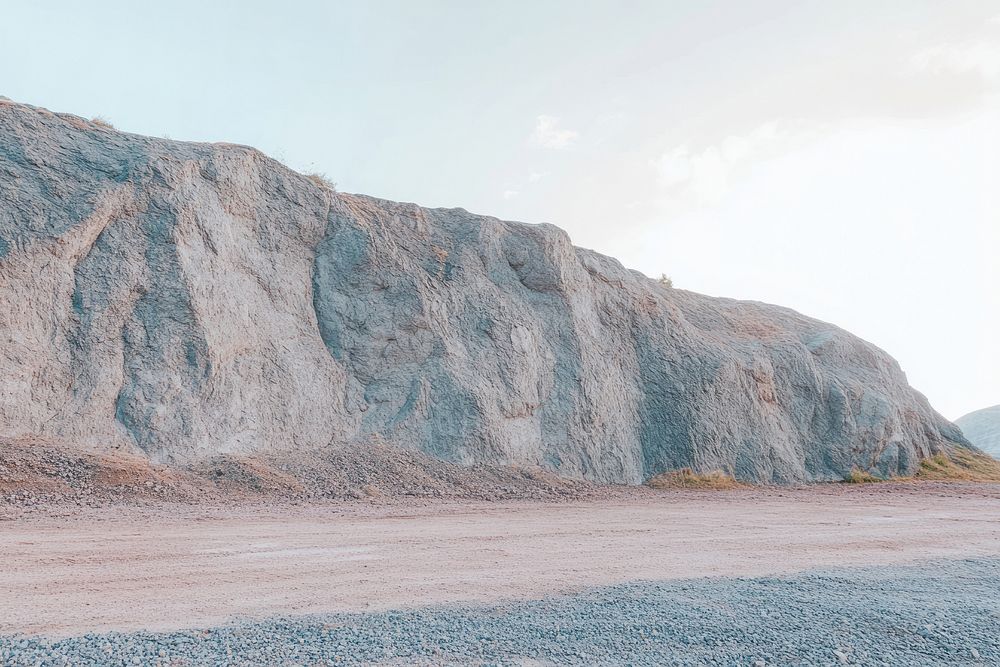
{"x": 841, "y": 158}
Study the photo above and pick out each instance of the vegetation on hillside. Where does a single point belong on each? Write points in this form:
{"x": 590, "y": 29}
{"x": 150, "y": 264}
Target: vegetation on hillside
{"x": 960, "y": 465}
{"x": 858, "y": 476}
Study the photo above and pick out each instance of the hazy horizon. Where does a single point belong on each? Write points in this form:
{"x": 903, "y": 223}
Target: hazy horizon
{"x": 839, "y": 160}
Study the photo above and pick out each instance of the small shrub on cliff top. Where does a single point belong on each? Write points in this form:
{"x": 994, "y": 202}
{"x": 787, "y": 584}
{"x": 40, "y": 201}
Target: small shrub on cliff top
{"x": 322, "y": 181}
{"x": 665, "y": 280}
{"x": 102, "y": 122}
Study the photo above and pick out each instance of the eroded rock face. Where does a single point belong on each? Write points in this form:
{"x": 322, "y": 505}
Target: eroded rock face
{"x": 982, "y": 428}
{"x": 193, "y": 299}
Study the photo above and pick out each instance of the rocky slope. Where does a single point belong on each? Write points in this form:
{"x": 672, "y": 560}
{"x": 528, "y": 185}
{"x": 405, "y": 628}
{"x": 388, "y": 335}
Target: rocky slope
{"x": 188, "y": 300}
{"x": 982, "y": 428}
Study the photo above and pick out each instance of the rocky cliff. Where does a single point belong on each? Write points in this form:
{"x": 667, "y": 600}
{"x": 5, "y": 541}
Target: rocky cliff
{"x": 186, "y": 300}
{"x": 982, "y": 428}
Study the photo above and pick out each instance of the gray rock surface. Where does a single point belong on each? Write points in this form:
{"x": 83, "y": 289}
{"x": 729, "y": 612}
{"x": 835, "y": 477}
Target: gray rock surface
{"x": 187, "y": 300}
{"x": 982, "y": 428}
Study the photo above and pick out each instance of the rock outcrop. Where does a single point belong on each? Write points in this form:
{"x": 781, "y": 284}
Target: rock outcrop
{"x": 982, "y": 428}
{"x": 186, "y": 300}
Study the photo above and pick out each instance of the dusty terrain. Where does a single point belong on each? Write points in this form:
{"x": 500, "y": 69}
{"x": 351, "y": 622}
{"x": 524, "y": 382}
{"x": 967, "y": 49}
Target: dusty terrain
{"x": 936, "y": 613}
{"x": 70, "y": 570}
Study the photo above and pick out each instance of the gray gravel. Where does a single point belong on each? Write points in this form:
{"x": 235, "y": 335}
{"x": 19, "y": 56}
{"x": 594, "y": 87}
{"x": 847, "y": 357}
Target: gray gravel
{"x": 940, "y": 613}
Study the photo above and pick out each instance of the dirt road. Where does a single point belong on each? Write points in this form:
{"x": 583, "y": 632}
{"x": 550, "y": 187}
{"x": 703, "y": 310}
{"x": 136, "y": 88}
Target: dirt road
{"x": 179, "y": 566}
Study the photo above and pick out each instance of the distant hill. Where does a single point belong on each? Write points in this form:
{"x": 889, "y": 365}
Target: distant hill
{"x": 982, "y": 428}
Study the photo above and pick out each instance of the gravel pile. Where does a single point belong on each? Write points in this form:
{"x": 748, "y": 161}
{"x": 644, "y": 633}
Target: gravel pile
{"x": 941, "y": 613}
{"x": 37, "y": 474}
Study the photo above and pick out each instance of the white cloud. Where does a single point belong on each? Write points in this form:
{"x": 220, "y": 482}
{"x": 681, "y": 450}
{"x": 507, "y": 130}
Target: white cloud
{"x": 707, "y": 173}
{"x": 982, "y": 57}
{"x": 549, "y": 134}
{"x": 510, "y": 194}
{"x": 536, "y": 176}
{"x": 824, "y": 200}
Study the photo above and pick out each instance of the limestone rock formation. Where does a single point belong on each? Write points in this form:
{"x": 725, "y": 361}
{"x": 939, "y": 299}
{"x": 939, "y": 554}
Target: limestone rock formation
{"x": 982, "y": 428}
{"x": 186, "y": 300}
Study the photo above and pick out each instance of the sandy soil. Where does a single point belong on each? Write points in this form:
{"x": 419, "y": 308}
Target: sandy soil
{"x": 180, "y": 566}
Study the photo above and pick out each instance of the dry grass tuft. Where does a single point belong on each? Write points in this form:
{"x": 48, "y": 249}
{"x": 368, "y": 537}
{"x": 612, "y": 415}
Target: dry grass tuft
{"x": 371, "y": 491}
{"x": 686, "y": 478}
{"x": 858, "y": 476}
{"x": 102, "y": 122}
{"x": 962, "y": 465}
{"x": 321, "y": 180}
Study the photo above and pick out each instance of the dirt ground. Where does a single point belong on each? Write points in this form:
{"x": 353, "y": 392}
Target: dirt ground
{"x": 71, "y": 570}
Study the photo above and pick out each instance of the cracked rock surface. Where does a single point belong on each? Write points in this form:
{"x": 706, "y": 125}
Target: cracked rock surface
{"x": 188, "y": 300}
